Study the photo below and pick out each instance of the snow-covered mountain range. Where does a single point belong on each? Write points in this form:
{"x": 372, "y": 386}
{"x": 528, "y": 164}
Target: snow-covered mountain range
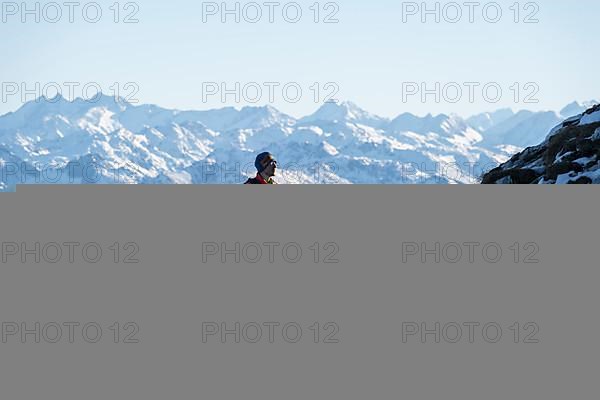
{"x": 112, "y": 141}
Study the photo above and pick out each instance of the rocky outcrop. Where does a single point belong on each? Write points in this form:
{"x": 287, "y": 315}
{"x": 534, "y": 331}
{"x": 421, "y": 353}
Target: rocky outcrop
{"x": 569, "y": 155}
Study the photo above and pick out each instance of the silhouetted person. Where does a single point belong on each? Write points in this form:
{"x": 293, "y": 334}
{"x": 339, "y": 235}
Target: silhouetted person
{"x": 266, "y": 166}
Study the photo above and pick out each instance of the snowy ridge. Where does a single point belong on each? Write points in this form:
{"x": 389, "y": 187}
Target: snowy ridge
{"x": 570, "y": 154}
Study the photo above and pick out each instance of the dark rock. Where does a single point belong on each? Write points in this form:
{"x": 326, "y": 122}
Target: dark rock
{"x": 586, "y": 147}
{"x": 584, "y": 180}
{"x": 517, "y": 176}
{"x": 561, "y": 168}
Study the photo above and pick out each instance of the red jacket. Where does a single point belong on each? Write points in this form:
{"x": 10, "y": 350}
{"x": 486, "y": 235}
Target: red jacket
{"x": 259, "y": 180}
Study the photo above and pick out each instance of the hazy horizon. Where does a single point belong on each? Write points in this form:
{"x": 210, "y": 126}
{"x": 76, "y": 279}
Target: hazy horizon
{"x": 369, "y": 56}
{"x": 317, "y": 107}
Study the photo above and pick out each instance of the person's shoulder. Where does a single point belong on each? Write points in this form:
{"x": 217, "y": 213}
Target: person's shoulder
{"x": 252, "y": 181}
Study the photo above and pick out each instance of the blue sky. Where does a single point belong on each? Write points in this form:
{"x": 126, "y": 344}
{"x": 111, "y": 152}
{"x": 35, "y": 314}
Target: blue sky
{"x": 370, "y": 54}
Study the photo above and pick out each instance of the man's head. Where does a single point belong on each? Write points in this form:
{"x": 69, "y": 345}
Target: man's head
{"x": 266, "y": 164}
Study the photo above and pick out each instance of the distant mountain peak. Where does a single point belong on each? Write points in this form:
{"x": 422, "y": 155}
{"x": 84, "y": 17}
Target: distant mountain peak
{"x": 484, "y": 121}
{"x": 345, "y": 111}
{"x": 264, "y": 110}
{"x": 576, "y": 108}
{"x": 104, "y": 100}
{"x": 54, "y": 99}
{"x": 440, "y": 123}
